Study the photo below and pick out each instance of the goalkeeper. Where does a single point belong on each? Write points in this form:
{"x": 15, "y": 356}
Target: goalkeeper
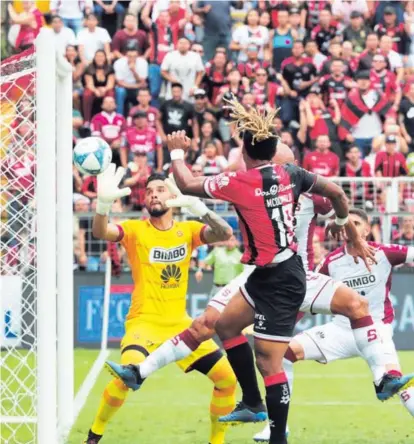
{"x": 159, "y": 251}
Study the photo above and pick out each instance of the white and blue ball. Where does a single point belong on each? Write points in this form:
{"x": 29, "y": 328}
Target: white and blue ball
{"x": 92, "y": 156}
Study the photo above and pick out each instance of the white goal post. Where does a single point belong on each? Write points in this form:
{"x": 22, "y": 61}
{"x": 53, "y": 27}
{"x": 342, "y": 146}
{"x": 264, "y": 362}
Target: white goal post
{"x": 36, "y": 274}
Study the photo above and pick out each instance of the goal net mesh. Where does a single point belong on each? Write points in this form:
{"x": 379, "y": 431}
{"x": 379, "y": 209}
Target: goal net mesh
{"x": 18, "y": 249}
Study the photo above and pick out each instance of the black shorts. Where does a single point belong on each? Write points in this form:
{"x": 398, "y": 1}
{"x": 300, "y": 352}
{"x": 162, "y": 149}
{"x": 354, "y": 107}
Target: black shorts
{"x": 276, "y": 294}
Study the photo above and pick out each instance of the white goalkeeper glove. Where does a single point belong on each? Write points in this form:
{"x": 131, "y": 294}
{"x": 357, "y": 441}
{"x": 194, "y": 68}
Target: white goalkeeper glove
{"x": 190, "y": 203}
{"x": 108, "y": 189}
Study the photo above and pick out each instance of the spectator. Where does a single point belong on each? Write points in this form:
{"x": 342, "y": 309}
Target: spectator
{"x": 110, "y": 126}
{"x": 99, "y": 82}
{"x": 217, "y": 25}
{"x": 202, "y": 111}
{"x": 350, "y": 62}
{"x": 406, "y": 234}
{"x": 248, "y": 69}
{"x": 322, "y": 161}
{"x": 312, "y": 10}
{"x": 72, "y": 13}
{"x": 356, "y": 32}
{"x": 265, "y": 20}
{"x": 131, "y": 73}
{"x": 93, "y": 38}
{"x": 299, "y": 71}
{"x": 336, "y": 52}
{"x": 211, "y": 162}
{"x": 144, "y": 100}
{"x": 281, "y": 40}
{"x": 406, "y": 116}
{"x": 409, "y": 20}
{"x": 325, "y": 31}
{"x": 394, "y": 59}
{"x": 312, "y": 51}
{"x": 72, "y": 57}
{"x": 295, "y": 21}
{"x": 390, "y": 129}
{"x": 141, "y": 137}
{"x": 266, "y": 93}
{"x": 26, "y": 27}
{"x": 336, "y": 85}
{"x": 64, "y": 36}
{"x": 233, "y": 87}
{"x": 380, "y": 7}
{"x": 182, "y": 66}
{"x": 177, "y": 115}
{"x": 162, "y": 38}
{"x": 395, "y": 30}
{"x": 361, "y": 114}
{"x": 130, "y": 36}
{"x": 216, "y": 74}
{"x": 108, "y": 12}
{"x": 321, "y": 121}
{"x": 385, "y": 81}
{"x": 249, "y": 33}
{"x": 207, "y": 134}
{"x": 343, "y": 10}
{"x": 390, "y": 163}
{"x": 136, "y": 177}
{"x": 358, "y": 193}
{"x": 371, "y": 48}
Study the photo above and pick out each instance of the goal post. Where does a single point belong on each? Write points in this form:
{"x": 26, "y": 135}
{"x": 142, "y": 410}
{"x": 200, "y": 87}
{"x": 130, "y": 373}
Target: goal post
{"x": 36, "y": 245}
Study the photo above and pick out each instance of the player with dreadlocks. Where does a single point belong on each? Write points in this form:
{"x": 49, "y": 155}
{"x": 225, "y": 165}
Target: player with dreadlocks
{"x": 265, "y": 197}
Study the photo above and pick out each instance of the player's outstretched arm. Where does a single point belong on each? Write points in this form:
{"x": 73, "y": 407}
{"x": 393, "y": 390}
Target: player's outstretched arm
{"x": 342, "y": 227}
{"x": 108, "y": 192}
{"x": 178, "y": 143}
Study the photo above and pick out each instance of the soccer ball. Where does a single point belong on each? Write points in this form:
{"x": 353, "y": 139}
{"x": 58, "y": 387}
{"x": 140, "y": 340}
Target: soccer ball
{"x": 92, "y": 156}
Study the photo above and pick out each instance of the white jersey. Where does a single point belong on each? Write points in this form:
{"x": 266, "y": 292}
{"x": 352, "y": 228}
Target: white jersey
{"x": 307, "y": 210}
{"x": 374, "y": 285}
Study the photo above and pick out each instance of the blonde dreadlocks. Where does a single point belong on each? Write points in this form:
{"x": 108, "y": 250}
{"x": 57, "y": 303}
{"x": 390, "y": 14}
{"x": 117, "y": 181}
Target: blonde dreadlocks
{"x": 258, "y": 124}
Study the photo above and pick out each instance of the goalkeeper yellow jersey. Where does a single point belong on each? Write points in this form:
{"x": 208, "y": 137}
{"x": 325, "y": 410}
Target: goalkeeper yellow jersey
{"x": 160, "y": 261}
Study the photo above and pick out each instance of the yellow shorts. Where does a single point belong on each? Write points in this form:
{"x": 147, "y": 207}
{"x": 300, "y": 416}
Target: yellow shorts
{"x": 149, "y": 336}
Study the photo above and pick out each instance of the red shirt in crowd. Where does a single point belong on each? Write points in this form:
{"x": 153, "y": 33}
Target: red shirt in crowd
{"x": 162, "y": 40}
{"x": 152, "y": 114}
{"x": 142, "y": 140}
{"x": 266, "y": 93}
{"x": 248, "y": 69}
{"x": 122, "y": 39}
{"x": 27, "y": 34}
{"x": 391, "y": 165}
{"x": 323, "y": 163}
{"x": 385, "y": 82}
{"x": 108, "y": 126}
{"x": 20, "y": 171}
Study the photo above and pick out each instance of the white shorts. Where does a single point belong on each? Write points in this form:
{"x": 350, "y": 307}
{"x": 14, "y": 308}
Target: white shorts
{"x": 332, "y": 341}
{"x": 320, "y": 290}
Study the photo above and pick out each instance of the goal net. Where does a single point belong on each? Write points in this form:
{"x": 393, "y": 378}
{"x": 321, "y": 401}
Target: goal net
{"x": 36, "y": 334}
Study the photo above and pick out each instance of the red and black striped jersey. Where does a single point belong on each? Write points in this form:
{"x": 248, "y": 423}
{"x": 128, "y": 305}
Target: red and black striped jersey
{"x": 265, "y": 199}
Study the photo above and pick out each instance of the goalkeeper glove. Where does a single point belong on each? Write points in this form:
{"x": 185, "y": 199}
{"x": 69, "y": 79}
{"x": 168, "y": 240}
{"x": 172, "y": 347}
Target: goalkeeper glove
{"x": 108, "y": 189}
{"x": 191, "y": 203}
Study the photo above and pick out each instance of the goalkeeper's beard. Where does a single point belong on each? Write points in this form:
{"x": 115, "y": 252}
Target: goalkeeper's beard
{"x": 157, "y": 212}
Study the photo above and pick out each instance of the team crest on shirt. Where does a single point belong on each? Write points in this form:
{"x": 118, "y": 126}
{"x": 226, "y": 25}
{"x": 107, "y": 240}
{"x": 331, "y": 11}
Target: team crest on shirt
{"x": 170, "y": 276}
{"x": 164, "y": 255}
{"x": 179, "y": 233}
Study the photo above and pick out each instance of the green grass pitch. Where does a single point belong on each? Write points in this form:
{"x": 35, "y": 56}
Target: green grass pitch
{"x": 333, "y": 404}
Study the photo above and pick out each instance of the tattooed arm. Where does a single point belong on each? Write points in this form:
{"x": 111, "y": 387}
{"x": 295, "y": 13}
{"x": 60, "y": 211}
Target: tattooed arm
{"x": 217, "y": 228}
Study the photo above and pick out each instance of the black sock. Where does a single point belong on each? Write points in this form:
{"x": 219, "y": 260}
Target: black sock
{"x": 240, "y": 356}
{"x": 277, "y": 401}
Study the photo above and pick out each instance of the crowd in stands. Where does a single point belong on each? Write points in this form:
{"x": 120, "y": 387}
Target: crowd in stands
{"x": 341, "y": 72}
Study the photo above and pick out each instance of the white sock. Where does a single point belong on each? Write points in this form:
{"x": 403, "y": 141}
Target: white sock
{"x": 288, "y": 368}
{"x": 172, "y": 350}
{"x": 369, "y": 343}
{"x": 407, "y": 399}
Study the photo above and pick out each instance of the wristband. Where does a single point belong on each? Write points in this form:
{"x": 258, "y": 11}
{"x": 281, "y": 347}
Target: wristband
{"x": 103, "y": 208}
{"x": 177, "y": 154}
{"x": 341, "y": 221}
